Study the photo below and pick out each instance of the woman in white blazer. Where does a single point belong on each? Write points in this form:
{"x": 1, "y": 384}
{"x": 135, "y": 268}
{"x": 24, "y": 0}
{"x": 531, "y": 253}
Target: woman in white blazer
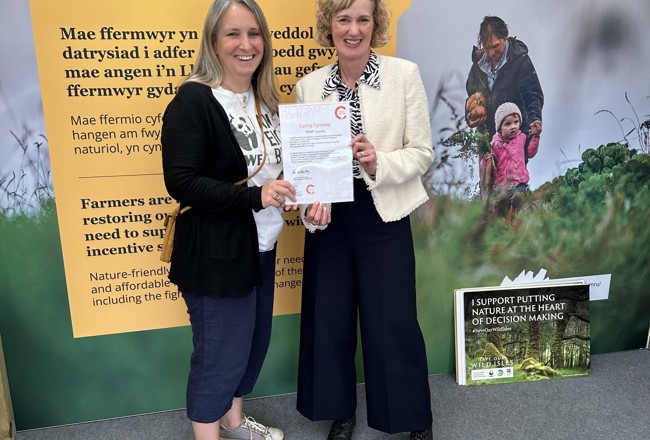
{"x": 359, "y": 256}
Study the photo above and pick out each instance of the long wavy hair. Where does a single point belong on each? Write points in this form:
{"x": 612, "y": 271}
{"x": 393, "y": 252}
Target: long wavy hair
{"x": 208, "y": 69}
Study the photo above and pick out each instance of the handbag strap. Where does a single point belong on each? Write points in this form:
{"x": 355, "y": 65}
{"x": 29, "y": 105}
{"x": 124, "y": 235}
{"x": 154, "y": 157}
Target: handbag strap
{"x": 258, "y": 109}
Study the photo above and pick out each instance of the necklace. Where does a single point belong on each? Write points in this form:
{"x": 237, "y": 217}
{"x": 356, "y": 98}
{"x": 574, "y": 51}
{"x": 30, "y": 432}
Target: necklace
{"x": 243, "y": 99}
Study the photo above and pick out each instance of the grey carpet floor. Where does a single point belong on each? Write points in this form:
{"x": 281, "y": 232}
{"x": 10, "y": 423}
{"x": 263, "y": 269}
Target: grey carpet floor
{"x": 611, "y": 404}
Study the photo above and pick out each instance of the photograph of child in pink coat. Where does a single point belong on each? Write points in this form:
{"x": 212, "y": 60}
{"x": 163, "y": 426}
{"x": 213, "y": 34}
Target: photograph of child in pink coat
{"x": 511, "y": 150}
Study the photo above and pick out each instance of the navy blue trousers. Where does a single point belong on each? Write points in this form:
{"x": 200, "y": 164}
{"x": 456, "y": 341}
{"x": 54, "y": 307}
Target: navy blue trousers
{"x": 361, "y": 266}
{"x": 231, "y": 337}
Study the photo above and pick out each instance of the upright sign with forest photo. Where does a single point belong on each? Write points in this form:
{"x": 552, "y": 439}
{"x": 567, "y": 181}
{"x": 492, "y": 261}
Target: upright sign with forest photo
{"x": 522, "y": 333}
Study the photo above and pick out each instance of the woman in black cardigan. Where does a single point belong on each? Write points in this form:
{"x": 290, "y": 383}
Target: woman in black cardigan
{"x": 220, "y": 129}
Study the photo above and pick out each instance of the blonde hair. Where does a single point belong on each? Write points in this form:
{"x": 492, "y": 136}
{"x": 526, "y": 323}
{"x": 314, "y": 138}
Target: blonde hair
{"x": 207, "y": 67}
{"x": 325, "y": 10}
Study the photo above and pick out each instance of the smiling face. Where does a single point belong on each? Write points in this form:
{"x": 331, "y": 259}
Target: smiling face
{"x": 352, "y": 31}
{"x": 239, "y": 46}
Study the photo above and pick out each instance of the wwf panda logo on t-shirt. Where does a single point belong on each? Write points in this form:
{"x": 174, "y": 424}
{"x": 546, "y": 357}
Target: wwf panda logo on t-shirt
{"x": 244, "y": 133}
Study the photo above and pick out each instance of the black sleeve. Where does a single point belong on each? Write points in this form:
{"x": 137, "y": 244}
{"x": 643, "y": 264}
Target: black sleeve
{"x": 473, "y": 83}
{"x": 530, "y": 91}
{"x": 199, "y": 161}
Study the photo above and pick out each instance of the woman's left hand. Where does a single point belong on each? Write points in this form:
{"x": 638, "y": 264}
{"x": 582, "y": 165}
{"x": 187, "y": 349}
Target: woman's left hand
{"x": 364, "y": 152}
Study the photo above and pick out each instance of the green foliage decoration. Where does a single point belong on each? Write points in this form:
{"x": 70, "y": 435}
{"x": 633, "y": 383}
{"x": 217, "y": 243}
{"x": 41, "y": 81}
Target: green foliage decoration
{"x": 610, "y": 169}
{"x": 470, "y": 143}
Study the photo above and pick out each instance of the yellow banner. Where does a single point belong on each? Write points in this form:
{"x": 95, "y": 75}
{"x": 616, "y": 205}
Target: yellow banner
{"x": 107, "y": 71}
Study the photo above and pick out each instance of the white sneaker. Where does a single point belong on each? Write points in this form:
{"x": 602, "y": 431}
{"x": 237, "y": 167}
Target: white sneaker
{"x": 251, "y": 430}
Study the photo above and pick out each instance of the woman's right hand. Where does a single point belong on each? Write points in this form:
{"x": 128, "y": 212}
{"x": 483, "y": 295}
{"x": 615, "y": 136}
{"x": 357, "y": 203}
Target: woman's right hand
{"x": 318, "y": 214}
{"x": 535, "y": 128}
{"x": 275, "y": 193}
{"x": 475, "y": 122}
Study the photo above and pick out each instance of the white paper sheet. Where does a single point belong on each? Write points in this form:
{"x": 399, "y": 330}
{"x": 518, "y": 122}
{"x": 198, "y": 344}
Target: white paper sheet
{"x": 316, "y": 151}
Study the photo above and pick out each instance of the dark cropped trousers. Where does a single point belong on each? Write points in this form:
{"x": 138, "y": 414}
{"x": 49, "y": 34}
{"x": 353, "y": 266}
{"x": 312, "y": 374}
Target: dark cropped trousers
{"x": 361, "y": 266}
{"x": 231, "y": 337}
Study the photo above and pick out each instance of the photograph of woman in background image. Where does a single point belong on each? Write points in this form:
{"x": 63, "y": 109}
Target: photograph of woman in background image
{"x": 359, "y": 256}
{"x": 215, "y": 135}
{"x": 502, "y": 72}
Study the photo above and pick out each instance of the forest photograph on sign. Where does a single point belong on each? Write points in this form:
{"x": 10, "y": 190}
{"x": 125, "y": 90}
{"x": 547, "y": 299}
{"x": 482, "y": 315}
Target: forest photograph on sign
{"x": 517, "y": 334}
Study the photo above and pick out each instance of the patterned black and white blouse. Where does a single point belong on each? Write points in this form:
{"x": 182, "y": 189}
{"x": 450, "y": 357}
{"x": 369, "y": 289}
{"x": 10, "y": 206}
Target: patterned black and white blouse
{"x": 370, "y": 76}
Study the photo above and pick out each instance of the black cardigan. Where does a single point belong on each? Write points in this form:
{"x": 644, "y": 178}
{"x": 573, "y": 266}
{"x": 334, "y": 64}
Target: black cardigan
{"x": 215, "y": 246}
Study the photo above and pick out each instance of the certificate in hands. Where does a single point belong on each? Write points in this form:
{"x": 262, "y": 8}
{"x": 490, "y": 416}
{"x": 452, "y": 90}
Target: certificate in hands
{"x": 316, "y": 151}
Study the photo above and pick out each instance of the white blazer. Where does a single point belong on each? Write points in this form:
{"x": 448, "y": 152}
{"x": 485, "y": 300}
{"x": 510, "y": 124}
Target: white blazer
{"x": 396, "y": 121}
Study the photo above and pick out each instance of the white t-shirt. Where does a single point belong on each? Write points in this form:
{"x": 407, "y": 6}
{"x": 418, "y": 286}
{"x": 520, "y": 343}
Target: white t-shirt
{"x": 242, "y": 114}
